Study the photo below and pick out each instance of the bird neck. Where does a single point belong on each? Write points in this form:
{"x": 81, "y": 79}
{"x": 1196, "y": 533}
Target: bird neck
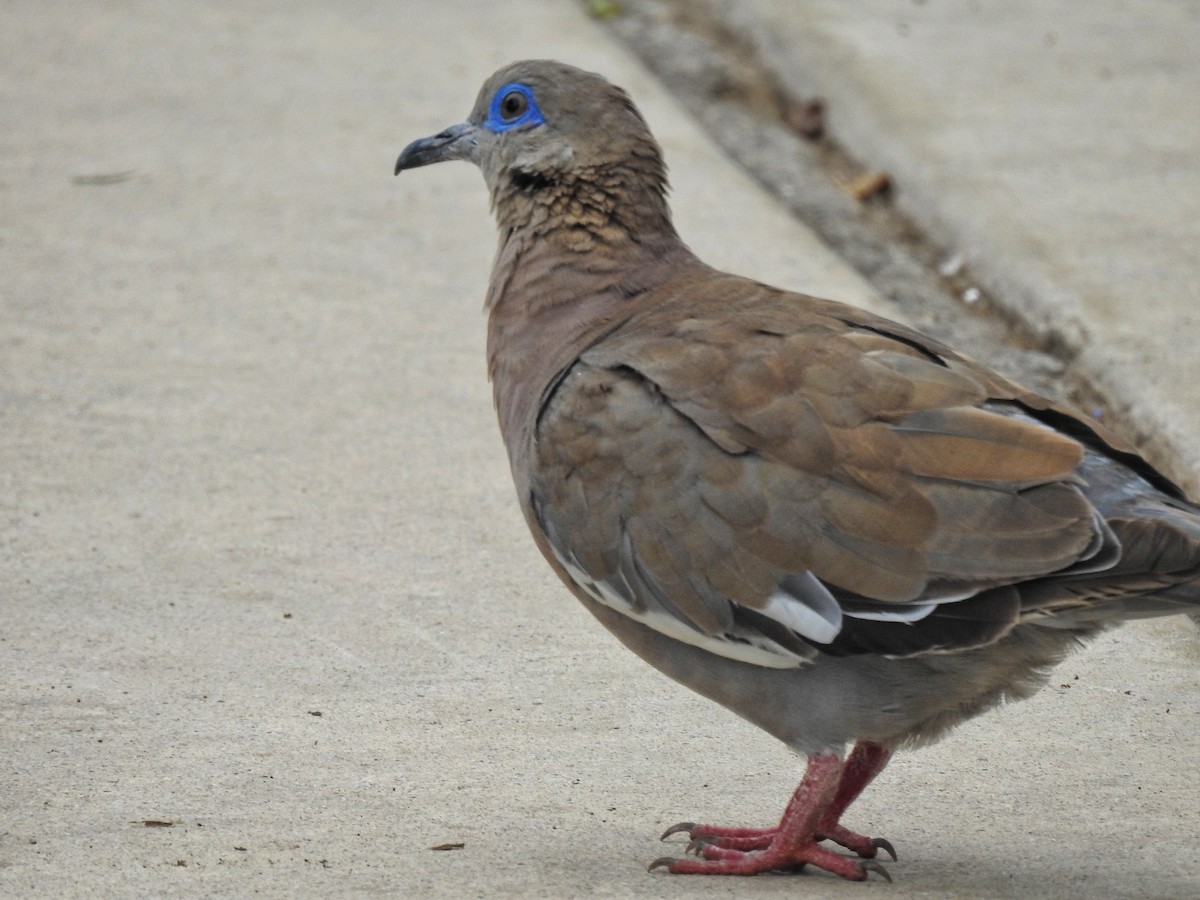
{"x": 575, "y": 257}
{"x": 569, "y": 235}
{"x": 605, "y": 207}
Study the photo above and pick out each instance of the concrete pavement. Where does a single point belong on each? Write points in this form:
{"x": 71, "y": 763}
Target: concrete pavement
{"x": 272, "y": 622}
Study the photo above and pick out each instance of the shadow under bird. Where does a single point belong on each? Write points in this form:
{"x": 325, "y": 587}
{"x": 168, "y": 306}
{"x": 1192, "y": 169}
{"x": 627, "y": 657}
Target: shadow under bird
{"x": 838, "y": 528}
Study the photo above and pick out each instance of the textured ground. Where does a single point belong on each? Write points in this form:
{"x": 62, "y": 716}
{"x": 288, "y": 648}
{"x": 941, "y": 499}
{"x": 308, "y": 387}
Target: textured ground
{"x": 272, "y": 623}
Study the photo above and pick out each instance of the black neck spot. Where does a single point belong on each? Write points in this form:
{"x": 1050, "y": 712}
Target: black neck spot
{"x": 531, "y": 182}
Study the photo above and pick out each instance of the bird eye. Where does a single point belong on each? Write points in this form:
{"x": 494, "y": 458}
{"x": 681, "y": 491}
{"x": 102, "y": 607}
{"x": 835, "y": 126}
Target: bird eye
{"x": 513, "y": 104}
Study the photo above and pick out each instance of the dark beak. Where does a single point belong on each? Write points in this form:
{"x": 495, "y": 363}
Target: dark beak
{"x": 456, "y": 142}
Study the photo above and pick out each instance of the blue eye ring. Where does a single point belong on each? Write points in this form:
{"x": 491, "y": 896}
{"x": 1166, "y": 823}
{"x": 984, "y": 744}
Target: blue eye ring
{"x": 513, "y": 106}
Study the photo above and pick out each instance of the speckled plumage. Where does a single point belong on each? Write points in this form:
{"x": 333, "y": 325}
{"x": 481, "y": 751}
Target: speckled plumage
{"x": 834, "y": 526}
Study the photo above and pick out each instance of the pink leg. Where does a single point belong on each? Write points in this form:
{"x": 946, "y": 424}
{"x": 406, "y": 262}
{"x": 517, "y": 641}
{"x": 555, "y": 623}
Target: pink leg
{"x": 792, "y": 844}
{"x": 865, "y": 761}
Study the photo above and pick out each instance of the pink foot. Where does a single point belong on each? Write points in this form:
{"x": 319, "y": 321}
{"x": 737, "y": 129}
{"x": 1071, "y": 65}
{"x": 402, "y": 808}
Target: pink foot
{"x": 793, "y": 843}
{"x": 866, "y": 847}
{"x": 727, "y": 838}
{"x": 777, "y": 856}
{"x": 759, "y": 838}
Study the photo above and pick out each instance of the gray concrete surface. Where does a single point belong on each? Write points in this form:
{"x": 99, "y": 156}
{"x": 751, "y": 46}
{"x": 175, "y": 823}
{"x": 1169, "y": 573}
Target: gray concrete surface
{"x": 1055, "y": 146}
{"x": 271, "y": 622}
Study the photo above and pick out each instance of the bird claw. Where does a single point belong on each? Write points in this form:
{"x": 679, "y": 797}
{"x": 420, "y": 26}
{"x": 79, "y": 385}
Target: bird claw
{"x": 869, "y": 865}
{"x": 886, "y": 846}
{"x": 716, "y": 861}
{"x": 678, "y": 828}
{"x": 696, "y": 847}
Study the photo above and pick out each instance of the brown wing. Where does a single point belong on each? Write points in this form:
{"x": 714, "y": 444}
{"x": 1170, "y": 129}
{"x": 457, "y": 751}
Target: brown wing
{"x": 759, "y": 476}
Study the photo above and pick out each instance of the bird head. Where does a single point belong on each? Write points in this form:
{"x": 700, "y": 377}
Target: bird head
{"x": 539, "y": 123}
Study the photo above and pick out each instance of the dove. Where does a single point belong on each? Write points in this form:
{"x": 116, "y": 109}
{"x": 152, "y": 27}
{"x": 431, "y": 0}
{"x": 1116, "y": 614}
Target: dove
{"x": 836, "y": 527}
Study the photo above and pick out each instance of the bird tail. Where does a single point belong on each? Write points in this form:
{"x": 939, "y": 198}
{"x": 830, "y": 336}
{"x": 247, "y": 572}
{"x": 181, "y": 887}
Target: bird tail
{"x": 1177, "y": 600}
